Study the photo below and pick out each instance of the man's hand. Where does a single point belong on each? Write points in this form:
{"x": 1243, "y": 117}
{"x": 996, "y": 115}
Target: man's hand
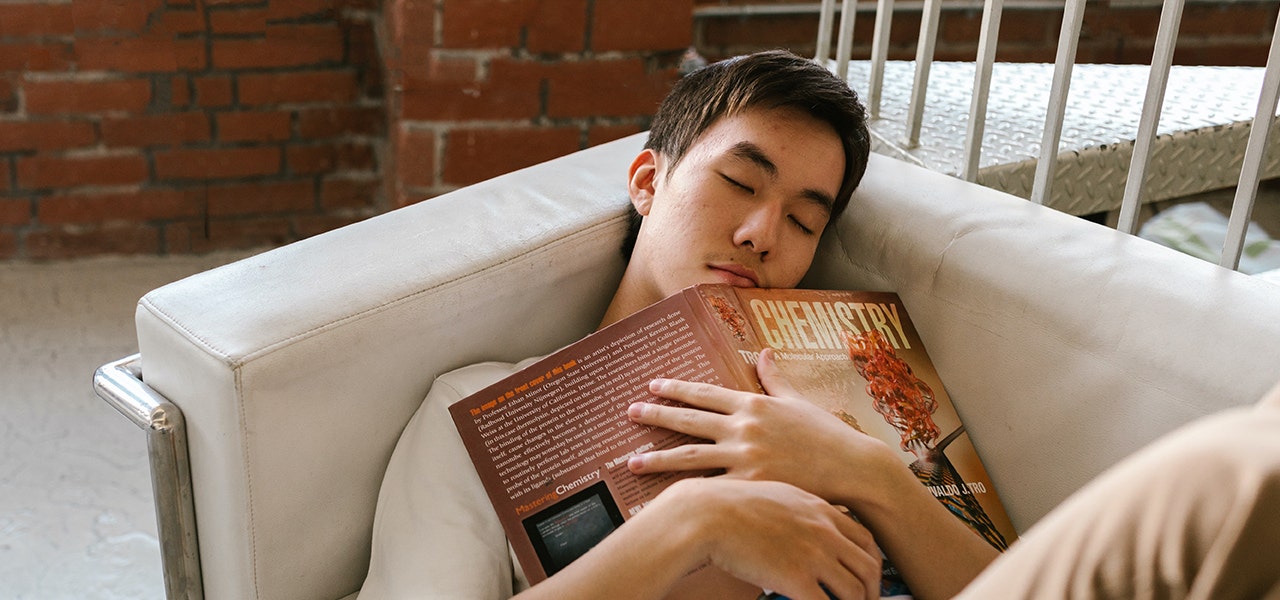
{"x": 776, "y": 536}
{"x": 779, "y": 436}
{"x": 783, "y": 437}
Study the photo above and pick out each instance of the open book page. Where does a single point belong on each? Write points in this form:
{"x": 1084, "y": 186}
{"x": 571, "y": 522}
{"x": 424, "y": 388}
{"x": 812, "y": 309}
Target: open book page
{"x": 551, "y": 442}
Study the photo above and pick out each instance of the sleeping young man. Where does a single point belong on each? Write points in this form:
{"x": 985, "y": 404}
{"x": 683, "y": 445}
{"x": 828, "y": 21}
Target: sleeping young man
{"x": 747, "y": 162}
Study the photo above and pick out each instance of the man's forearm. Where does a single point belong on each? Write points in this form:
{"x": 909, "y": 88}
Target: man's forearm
{"x": 935, "y": 552}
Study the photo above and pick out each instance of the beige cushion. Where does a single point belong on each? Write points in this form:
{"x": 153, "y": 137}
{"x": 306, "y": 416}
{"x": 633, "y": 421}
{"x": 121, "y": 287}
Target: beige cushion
{"x": 431, "y": 493}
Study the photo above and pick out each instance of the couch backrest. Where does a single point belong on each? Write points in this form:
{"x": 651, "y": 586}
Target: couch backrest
{"x": 1063, "y": 344}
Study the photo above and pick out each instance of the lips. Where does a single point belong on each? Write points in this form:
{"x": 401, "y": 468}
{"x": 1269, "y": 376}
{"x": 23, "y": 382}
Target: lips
{"x": 736, "y": 275}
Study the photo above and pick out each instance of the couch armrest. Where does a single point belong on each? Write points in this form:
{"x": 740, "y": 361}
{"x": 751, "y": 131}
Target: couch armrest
{"x": 298, "y": 368}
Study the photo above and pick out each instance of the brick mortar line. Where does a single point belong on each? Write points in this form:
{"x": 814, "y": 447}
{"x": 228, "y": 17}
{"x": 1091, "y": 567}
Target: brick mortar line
{"x": 499, "y": 125}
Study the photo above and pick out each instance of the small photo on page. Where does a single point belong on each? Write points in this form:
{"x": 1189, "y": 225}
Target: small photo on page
{"x": 571, "y": 527}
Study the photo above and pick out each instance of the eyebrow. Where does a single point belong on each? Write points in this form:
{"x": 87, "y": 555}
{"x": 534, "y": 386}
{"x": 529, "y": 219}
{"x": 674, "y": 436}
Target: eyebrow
{"x": 754, "y": 154}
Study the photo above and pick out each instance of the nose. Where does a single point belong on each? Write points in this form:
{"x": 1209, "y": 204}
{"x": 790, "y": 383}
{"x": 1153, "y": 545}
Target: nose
{"x": 759, "y": 229}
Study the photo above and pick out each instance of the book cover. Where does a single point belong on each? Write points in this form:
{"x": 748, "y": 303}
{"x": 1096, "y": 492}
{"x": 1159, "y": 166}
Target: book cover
{"x": 551, "y": 442}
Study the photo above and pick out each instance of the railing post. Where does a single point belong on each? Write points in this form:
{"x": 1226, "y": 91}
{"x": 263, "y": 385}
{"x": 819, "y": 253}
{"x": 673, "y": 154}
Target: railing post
{"x": 1068, "y": 43}
{"x": 1157, "y": 82}
{"x": 987, "y": 41}
{"x": 879, "y": 55}
{"x": 844, "y": 45}
{"x": 1255, "y": 151}
{"x": 924, "y": 59}
{"x": 825, "y": 16}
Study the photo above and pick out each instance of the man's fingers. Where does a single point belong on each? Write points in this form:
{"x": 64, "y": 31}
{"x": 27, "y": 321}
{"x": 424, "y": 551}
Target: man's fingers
{"x": 691, "y": 421}
{"x": 689, "y": 457}
{"x": 864, "y": 571}
{"x": 809, "y": 590}
{"x": 844, "y": 584}
{"x": 848, "y": 573}
{"x": 771, "y": 378}
{"x": 857, "y": 533}
{"x": 862, "y": 559}
{"x": 701, "y": 395}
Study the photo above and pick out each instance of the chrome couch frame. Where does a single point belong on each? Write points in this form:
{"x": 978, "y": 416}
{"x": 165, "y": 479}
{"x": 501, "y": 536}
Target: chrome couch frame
{"x": 120, "y": 384}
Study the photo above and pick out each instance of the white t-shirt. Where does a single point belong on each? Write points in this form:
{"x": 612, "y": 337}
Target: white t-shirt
{"x": 435, "y": 534}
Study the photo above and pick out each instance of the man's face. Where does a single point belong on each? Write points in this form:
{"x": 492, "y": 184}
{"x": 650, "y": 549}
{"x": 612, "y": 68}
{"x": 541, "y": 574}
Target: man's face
{"x": 745, "y": 206}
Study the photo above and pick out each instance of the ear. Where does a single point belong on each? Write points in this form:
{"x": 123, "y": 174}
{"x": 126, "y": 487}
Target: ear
{"x": 642, "y": 179}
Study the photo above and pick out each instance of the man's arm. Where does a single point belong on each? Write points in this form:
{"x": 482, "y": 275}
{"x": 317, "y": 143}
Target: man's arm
{"x": 770, "y": 534}
{"x": 783, "y": 437}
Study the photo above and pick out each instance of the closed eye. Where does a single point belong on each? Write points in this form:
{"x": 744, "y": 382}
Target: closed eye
{"x": 737, "y": 184}
{"x": 805, "y": 229}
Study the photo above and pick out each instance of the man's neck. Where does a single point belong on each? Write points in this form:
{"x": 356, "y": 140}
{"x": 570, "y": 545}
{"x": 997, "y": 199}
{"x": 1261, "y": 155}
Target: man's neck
{"x": 619, "y": 308}
{"x": 629, "y": 298}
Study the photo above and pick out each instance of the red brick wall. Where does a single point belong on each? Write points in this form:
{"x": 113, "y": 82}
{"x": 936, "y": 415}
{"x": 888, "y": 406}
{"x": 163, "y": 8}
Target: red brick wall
{"x": 1212, "y": 33}
{"x": 179, "y": 126}
{"x": 176, "y": 126}
{"x": 477, "y": 88}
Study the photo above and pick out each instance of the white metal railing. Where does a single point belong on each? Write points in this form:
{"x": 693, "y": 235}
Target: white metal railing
{"x": 1073, "y": 13}
{"x": 1250, "y": 172}
{"x": 1157, "y": 83}
{"x": 1068, "y": 42}
{"x": 987, "y": 39}
{"x": 879, "y": 55}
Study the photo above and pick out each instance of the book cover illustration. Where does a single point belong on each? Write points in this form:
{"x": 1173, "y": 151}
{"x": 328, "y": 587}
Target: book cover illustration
{"x": 551, "y": 442}
{"x": 857, "y": 355}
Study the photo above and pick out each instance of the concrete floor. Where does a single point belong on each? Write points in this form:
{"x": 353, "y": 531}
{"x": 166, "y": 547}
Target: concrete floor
{"x": 76, "y": 516}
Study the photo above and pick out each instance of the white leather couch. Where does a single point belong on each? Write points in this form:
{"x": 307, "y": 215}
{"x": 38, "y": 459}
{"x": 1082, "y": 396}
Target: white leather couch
{"x": 1065, "y": 345}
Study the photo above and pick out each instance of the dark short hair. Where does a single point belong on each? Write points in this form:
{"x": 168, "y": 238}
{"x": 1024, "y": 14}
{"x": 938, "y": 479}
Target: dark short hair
{"x": 770, "y": 79}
